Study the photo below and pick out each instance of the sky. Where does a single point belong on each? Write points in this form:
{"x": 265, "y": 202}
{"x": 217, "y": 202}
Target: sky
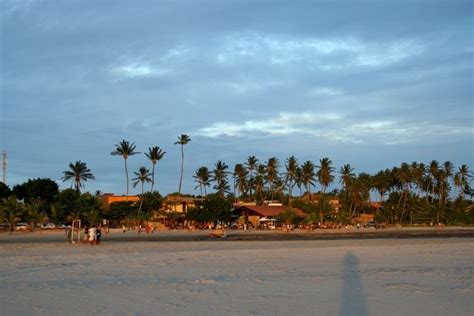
{"x": 370, "y": 83}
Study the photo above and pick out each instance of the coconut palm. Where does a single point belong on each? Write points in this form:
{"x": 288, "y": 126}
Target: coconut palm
{"x": 290, "y": 174}
{"x": 240, "y": 176}
{"x": 125, "y": 149}
{"x": 462, "y": 180}
{"x": 78, "y": 173}
{"x": 251, "y": 164}
{"x": 299, "y": 178}
{"x": 182, "y": 140}
{"x": 272, "y": 174}
{"x": 346, "y": 175}
{"x": 203, "y": 177}
{"x": 220, "y": 177}
{"x": 154, "y": 154}
{"x": 308, "y": 176}
{"x": 142, "y": 177}
{"x": 11, "y": 210}
{"x": 324, "y": 173}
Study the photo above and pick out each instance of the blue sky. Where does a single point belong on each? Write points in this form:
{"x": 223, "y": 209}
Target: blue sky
{"x": 370, "y": 83}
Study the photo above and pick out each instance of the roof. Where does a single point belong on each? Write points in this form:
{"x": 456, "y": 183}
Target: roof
{"x": 180, "y": 199}
{"x": 265, "y": 210}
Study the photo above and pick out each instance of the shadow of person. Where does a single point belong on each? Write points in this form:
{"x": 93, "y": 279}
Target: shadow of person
{"x": 352, "y": 295}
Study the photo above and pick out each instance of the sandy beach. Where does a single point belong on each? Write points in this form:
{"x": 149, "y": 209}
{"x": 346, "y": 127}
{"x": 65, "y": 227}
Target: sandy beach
{"x": 423, "y": 276}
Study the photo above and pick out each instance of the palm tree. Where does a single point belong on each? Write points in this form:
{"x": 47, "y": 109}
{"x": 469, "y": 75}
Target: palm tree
{"x": 125, "y": 149}
{"x": 290, "y": 174}
{"x": 259, "y": 182}
{"x": 182, "y": 140}
{"x": 203, "y": 177}
{"x": 299, "y": 178}
{"x": 272, "y": 174}
{"x": 78, "y": 174}
{"x": 462, "y": 180}
{"x": 240, "y": 176}
{"x": 142, "y": 176}
{"x": 324, "y": 174}
{"x": 308, "y": 176}
{"x": 220, "y": 177}
{"x": 252, "y": 164}
{"x": 154, "y": 154}
{"x": 347, "y": 175}
{"x": 11, "y": 210}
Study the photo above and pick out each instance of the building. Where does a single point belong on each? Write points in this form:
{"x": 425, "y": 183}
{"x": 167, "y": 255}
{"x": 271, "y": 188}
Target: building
{"x": 255, "y": 213}
{"x": 109, "y": 198}
{"x": 178, "y": 203}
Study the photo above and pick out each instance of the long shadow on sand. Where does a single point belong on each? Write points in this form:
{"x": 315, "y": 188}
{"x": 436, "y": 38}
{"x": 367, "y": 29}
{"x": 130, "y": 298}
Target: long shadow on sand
{"x": 352, "y": 296}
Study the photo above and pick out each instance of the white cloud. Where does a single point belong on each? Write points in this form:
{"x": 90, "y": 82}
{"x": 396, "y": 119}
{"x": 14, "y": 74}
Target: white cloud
{"x": 324, "y": 91}
{"x": 256, "y": 47}
{"x": 335, "y": 127}
{"x": 140, "y": 69}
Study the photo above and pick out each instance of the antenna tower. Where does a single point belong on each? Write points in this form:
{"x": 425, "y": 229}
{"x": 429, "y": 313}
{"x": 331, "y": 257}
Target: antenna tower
{"x": 4, "y": 166}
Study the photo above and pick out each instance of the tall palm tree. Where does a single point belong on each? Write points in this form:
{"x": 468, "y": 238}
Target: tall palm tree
{"x": 220, "y": 177}
{"x": 251, "y": 164}
{"x": 203, "y": 177}
{"x": 154, "y": 154}
{"x": 125, "y": 149}
{"x": 142, "y": 177}
{"x": 346, "y": 175}
{"x": 324, "y": 173}
{"x": 182, "y": 140}
{"x": 308, "y": 176}
{"x": 299, "y": 178}
{"x": 272, "y": 174}
{"x": 259, "y": 182}
{"x": 78, "y": 173}
{"x": 462, "y": 180}
{"x": 290, "y": 174}
{"x": 240, "y": 176}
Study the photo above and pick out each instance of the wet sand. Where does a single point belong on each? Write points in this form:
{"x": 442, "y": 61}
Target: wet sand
{"x": 43, "y": 275}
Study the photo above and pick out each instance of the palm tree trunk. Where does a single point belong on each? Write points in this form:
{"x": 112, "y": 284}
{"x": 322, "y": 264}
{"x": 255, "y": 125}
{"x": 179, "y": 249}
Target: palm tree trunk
{"x": 141, "y": 202}
{"x": 126, "y": 176}
{"x": 182, "y": 168}
{"x": 152, "y": 177}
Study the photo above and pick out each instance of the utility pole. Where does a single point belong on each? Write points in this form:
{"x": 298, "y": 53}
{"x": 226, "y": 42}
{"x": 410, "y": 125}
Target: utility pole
{"x": 4, "y": 166}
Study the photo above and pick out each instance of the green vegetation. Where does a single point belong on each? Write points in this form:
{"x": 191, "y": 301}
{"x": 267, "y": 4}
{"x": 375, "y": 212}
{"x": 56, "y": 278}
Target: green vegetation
{"x": 408, "y": 194}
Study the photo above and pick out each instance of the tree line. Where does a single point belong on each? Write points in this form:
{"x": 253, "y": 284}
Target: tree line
{"x": 406, "y": 192}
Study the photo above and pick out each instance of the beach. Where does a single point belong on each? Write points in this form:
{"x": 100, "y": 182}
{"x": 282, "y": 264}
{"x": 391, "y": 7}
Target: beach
{"x": 44, "y": 275}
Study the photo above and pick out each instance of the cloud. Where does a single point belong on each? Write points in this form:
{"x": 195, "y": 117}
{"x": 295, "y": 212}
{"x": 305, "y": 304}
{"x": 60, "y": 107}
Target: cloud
{"x": 334, "y": 127}
{"x": 324, "y": 53}
{"x": 140, "y": 69}
{"x": 324, "y": 91}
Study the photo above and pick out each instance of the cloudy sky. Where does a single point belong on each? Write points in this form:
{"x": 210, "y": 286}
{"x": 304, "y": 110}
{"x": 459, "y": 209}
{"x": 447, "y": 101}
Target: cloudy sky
{"x": 370, "y": 83}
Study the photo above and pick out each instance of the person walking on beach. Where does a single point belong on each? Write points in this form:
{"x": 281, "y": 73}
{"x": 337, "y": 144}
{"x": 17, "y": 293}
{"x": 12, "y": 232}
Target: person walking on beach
{"x": 69, "y": 234}
{"x": 86, "y": 233}
{"x": 123, "y": 228}
{"x": 92, "y": 235}
{"x": 98, "y": 234}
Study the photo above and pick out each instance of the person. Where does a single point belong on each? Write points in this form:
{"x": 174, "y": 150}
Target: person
{"x": 98, "y": 234}
{"x": 92, "y": 235}
{"x": 69, "y": 234}
{"x": 86, "y": 233}
{"x": 124, "y": 228}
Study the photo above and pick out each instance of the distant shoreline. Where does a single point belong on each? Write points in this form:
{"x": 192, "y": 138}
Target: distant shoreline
{"x": 117, "y": 236}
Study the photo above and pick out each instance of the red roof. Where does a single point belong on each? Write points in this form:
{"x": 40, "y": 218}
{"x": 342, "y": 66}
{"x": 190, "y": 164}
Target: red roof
{"x": 270, "y": 211}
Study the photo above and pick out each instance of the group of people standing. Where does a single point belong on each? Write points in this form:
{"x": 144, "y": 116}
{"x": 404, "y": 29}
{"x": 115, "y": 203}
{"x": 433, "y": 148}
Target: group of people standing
{"x": 92, "y": 234}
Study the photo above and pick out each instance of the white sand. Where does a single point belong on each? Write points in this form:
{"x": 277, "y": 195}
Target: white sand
{"x": 336, "y": 277}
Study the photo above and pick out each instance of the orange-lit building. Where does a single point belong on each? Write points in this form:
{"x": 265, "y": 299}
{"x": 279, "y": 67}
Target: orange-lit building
{"x": 179, "y": 204}
{"x": 109, "y": 198}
